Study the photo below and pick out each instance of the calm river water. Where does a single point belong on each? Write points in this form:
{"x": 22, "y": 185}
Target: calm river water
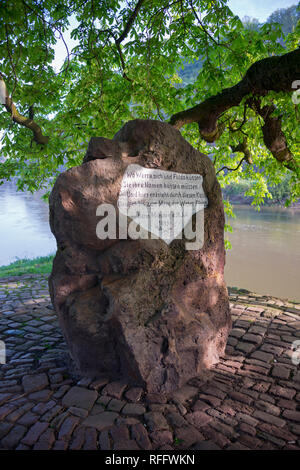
{"x": 24, "y": 226}
{"x": 265, "y": 255}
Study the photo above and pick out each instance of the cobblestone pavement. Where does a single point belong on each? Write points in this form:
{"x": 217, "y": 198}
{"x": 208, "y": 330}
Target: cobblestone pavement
{"x": 250, "y": 400}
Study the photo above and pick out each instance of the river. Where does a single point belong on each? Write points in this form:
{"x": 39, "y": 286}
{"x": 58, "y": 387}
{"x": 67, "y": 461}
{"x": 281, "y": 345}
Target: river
{"x": 24, "y": 226}
{"x": 265, "y": 254}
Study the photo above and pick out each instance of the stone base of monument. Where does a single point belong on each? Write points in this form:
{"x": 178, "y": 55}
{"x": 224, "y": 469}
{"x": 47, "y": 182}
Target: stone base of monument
{"x": 154, "y": 313}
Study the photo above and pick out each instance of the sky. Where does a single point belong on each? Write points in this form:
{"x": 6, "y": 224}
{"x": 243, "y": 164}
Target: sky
{"x": 260, "y": 9}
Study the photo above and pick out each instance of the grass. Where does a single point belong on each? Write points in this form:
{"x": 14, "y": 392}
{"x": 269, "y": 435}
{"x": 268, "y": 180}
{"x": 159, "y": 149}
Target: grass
{"x": 40, "y": 265}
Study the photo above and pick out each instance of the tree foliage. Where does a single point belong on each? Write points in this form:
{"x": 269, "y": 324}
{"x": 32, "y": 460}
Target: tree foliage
{"x": 126, "y": 64}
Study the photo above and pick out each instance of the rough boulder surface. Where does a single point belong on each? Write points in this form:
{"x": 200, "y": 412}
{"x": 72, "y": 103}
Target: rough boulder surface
{"x": 153, "y": 313}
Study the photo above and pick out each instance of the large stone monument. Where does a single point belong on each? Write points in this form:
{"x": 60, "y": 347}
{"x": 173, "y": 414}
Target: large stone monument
{"x": 152, "y": 312}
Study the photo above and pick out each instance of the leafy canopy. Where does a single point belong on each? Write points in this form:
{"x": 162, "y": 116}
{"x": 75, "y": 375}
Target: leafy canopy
{"x": 126, "y": 64}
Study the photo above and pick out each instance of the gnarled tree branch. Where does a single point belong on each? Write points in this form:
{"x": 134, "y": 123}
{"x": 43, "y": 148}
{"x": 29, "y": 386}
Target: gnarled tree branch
{"x": 274, "y": 138}
{"x": 275, "y": 73}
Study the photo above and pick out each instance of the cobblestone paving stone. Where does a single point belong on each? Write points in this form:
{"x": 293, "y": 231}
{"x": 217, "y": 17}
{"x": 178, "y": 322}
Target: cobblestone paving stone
{"x": 250, "y": 400}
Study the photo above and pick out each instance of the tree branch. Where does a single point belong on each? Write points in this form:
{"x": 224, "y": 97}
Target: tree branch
{"x": 231, "y": 169}
{"x": 242, "y": 148}
{"x": 130, "y": 21}
{"x": 9, "y": 105}
{"x": 123, "y": 66}
{"x": 274, "y": 138}
{"x": 274, "y": 73}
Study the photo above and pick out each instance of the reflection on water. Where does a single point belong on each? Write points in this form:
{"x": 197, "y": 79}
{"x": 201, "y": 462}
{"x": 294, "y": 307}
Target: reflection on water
{"x": 24, "y": 226}
{"x": 265, "y": 255}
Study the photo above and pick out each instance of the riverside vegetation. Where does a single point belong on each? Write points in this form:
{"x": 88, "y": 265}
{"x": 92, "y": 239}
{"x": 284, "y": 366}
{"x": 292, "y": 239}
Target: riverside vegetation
{"x": 39, "y": 265}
